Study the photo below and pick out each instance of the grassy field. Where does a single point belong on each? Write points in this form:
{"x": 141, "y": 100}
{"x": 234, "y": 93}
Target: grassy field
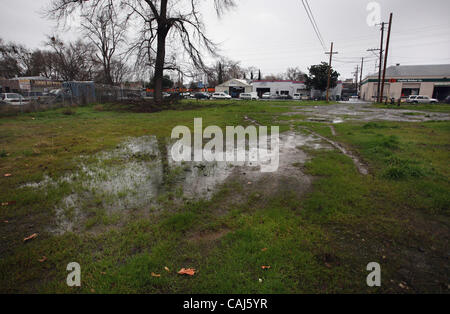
{"x": 318, "y": 242}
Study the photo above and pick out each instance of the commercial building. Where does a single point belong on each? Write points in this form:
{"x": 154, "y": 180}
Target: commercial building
{"x": 280, "y": 87}
{"x": 234, "y": 87}
{"x": 403, "y": 81}
{"x": 36, "y": 84}
{"x": 9, "y": 86}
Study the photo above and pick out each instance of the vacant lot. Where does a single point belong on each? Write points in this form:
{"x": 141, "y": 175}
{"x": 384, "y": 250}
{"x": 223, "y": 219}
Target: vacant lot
{"x": 96, "y": 187}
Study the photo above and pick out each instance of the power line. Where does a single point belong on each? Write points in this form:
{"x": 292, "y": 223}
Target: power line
{"x": 313, "y": 23}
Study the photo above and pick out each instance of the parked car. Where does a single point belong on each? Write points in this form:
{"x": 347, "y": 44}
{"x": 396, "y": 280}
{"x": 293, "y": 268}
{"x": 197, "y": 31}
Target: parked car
{"x": 13, "y": 99}
{"x": 297, "y": 97}
{"x": 249, "y": 96}
{"x": 32, "y": 95}
{"x": 266, "y": 96}
{"x": 420, "y": 99}
{"x": 60, "y": 94}
{"x": 283, "y": 96}
{"x": 447, "y": 100}
{"x": 220, "y": 96}
{"x": 202, "y": 96}
{"x": 411, "y": 99}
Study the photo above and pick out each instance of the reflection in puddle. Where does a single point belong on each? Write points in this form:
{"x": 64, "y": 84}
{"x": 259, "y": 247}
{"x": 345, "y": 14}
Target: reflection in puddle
{"x": 136, "y": 174}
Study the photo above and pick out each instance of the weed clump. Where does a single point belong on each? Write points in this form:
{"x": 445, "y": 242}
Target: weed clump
{"x": 391, "y": 142}
{"x": 69, "y": 112}
{"x": 373, "y": 125}
{"x": 399, "y": 169}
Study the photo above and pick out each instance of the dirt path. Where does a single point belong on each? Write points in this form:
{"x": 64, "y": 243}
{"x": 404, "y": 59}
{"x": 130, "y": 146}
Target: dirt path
{"x": 339, "y": 113}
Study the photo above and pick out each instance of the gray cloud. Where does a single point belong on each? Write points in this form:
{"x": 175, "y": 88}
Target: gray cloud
{"x": 274, "y": 35}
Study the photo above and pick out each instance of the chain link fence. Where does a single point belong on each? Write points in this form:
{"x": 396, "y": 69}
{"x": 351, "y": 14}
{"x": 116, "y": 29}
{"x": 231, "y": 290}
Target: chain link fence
{"x": 71, "y": 94}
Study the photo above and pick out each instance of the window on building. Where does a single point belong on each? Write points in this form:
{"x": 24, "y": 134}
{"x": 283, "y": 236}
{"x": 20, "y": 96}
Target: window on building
{"x": 406, "y": 92}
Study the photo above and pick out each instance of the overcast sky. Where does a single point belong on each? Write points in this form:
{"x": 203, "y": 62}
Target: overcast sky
{"x": 275, "y": 35}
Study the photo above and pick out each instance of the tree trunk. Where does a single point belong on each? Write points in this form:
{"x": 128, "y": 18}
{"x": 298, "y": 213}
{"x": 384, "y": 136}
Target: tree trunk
{"x": 163, "y": 30}
{"x": 159, "y": 66}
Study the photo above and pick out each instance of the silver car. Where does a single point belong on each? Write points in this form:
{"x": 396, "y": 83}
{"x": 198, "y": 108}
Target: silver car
{"x": 13, "y": 99}
{"x": 420, "y": 99}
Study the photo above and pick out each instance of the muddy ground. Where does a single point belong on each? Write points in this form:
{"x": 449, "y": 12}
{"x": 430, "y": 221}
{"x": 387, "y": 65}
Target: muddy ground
{"x": 339, "y": 113}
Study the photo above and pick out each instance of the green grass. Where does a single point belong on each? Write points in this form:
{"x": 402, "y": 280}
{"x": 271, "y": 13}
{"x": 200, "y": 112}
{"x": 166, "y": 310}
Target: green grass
{"x": 420, "y": 107}
{"x": 320, "y": 242}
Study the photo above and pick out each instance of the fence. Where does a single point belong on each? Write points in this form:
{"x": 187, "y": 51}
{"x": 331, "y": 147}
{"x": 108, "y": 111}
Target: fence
{"x": 72, "y": 94}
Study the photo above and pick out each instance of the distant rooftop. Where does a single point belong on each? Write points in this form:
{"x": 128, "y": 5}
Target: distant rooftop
{"x": 34, "y": 78}
{"x": 440, "y": 70}
{"x": 280, "y": 81}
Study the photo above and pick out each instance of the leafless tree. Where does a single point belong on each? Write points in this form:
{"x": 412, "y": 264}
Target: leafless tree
{"x": 106, "y": 31}
{"x": 15, "y": 59}
{"x": 295, "y": 74}
{"x": 159, "y": 19}
{"x": 225, "y": 70}
{"x": 74, "y": 60}
{"x": 120, "y": 71}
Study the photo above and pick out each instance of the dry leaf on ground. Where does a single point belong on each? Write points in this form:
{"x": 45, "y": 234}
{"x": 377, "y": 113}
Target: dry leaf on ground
{"x": 43, "y": 259}
{"x": 8, "y": 174}
{"x": 265, "y": 267}
{"x": 167, "y": 269}
{"x": 188, "y": 271}
{"x": 31, "y": 237}
{"x": 155, "y": 275}
{"x": 9, "y": 203}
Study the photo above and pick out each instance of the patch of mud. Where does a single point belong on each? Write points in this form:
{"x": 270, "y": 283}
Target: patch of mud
{"x": 209, "y": 237}
{"x": 339, "y": 113}
{"x": 138, "y": 172}
{"x": 359, "y": 165}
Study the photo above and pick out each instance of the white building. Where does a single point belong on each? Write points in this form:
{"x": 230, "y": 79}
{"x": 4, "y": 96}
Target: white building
{"x": 280, "y": 87}
{"x": 402, "y": 81}
{"x": 234, "y": 87}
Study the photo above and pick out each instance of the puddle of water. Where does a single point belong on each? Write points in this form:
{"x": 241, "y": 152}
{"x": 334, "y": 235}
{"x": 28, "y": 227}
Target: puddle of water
{"x": 332, "y": 113}
{"x": 133, "y": 176}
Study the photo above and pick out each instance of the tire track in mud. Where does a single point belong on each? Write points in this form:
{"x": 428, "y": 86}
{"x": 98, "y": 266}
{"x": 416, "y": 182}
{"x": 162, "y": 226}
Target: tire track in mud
{"x": 362, "y": 168}
{"x": 359, "y": 165}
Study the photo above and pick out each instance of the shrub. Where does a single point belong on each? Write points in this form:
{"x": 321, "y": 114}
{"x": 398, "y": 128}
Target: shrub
{"x": 69, "y": 111}
{"x": 399, "y": 169}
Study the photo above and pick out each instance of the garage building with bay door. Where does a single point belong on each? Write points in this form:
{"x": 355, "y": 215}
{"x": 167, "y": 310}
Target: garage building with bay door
{"x": 403, "y": 81}
{"x": 280, "y": 87}
{"x": 234, "y": 87}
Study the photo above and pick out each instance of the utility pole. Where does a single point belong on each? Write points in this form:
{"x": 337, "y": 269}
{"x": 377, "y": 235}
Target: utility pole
{"x": 356, "y": 78}
{"x": 381, "y": 62}
{"x": 386, "y": 56}
{"x": 331, "y": 53}
{"x": 361, "y": 75}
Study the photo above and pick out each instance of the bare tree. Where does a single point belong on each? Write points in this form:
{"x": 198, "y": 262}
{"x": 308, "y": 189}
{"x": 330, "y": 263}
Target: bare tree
{"x": 105, "y": 30}
{"x": 179, "y": 19}
{"x": 73, "y": 61}
{"x": 295, "y": 74}
{"x": 226, "y": 70}
{"x": 15, "y": 59}
{"x": 120, "y": 71}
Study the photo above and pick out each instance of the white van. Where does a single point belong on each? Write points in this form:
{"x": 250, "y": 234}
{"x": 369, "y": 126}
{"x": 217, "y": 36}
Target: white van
{"x": 249, "y": 96}
{"x": 220, "y": 96}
